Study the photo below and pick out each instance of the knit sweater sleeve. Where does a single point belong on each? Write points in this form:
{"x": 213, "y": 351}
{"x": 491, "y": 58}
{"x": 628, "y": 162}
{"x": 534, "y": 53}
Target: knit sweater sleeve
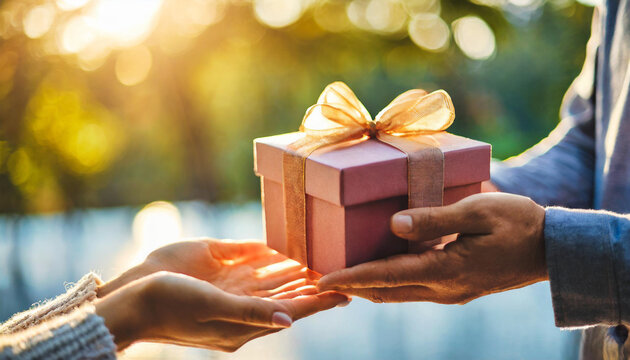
{"x": 80, "y": 334}
{"x": 76, "y": 295}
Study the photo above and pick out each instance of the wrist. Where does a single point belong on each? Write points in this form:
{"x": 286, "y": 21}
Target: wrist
{"x": 122, "y": 315}
{"x": 133, "y": 274}
{"x": 540, "y": 248}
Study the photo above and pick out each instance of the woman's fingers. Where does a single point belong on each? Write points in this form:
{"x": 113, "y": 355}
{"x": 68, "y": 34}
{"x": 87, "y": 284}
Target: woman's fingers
{"x": 263, "y": 260}
{"x": 238, "y": 251}
{"x": 295, "y": 284}
{"x": 301, "y": 291}
{"x": 275, "y": 281}
{"x": 249, "y": 310}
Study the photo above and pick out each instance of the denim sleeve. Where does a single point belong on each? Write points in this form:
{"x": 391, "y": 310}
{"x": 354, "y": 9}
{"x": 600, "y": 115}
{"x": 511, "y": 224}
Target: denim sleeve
{"x": 588, "y": 259}
{"x": 559, "y": 170}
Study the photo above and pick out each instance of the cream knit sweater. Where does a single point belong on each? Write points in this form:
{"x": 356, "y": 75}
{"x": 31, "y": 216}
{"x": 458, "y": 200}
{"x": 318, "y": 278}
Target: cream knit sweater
{"x": 63, "y": 328}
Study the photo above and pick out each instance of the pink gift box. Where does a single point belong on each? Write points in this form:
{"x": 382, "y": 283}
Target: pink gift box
{"x": 352, "y": 190}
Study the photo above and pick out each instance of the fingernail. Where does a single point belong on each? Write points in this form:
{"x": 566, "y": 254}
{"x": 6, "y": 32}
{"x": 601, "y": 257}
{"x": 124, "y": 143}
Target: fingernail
{"x": 281, "y": 319}
{"x": 402, "y": 224}
{"x": 344, "y": 303}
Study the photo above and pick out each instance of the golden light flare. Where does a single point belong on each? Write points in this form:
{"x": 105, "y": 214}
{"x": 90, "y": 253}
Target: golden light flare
{"x": 80, "y": 134}
{"x": 69, "y": 5}
{"x": 102, "y": 25}
{"x": 474, "y": 37}
{"x": 133, "y": 65}
{"x": 76, "y": 35}
{"x": 90, "y": 30}
{"x": 124, "y": 23}
{"x": 191, "y": 17}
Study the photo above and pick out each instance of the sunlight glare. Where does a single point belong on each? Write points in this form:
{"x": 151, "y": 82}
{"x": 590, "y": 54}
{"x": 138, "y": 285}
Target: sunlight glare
{"x": 474, "y": 37}
{"x": 69, "y": 5}
{"x": 76, "y": 35}
{"x": 38, "y": 21}
{"x": 125, "y": 23}
{"x": 156, "y": 225}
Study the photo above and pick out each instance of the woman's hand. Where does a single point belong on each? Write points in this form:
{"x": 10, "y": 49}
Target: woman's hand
{"x": 241, "y": 268}
{"x": 179, "y": 309}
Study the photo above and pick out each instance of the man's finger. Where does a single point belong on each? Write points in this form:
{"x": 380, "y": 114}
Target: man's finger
{"x": 408, "y": 269}
{"x": 394, "y": 294}
{"x": 423, "y": 224}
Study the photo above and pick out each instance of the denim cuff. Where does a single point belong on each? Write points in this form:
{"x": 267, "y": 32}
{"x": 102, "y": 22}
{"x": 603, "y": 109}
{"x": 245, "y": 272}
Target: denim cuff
{"x": 581, "y": 265}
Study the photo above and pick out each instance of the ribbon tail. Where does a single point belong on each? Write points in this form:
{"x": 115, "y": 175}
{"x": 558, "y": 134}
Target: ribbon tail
{"x": 294, "y": 190}
{"x": 425, "y": 173}
{"x": 295, "y": 205}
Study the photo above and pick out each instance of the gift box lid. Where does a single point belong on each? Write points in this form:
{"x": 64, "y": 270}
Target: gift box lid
{"x": 361, "y": 171}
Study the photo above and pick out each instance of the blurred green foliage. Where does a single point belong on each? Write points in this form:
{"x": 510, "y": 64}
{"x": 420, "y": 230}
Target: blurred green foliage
{"x": 72, "y": 135}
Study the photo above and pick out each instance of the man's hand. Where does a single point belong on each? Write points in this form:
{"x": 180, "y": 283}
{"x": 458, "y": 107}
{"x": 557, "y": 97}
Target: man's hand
{"x": 241, "y": 268}
{"x": 179, "y": 309}
{"x": 500, "y": 247}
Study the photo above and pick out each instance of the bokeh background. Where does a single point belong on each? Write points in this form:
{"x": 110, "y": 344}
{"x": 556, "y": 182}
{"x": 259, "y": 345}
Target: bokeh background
{"x": 109, "y": 105}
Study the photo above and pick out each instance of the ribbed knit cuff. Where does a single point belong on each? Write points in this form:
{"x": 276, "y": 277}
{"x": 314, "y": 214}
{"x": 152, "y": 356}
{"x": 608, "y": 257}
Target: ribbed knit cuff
{"x": 76, "y": 295}
{"x": 79, "y": 335}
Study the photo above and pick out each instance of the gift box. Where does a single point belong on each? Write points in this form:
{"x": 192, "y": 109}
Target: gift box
{"x": 351, "y": 190}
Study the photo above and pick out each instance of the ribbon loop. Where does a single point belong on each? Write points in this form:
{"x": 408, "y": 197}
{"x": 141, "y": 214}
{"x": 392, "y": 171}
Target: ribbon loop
{"x": 415, "y": 112}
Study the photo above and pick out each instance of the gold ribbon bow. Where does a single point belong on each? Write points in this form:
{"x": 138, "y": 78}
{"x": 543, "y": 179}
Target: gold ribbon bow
{"x": 339, "y": 116}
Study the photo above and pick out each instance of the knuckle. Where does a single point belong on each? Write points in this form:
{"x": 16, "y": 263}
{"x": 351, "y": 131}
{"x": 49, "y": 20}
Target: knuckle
{"x": 250, "y": 313}
{"x": 376, "y": 297}
{"x": 425, "y": 222}
{"x": 390, "y": 276}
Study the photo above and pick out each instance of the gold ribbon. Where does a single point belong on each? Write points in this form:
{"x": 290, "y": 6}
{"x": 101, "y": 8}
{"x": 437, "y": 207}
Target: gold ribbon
{"x": 339, "y": 116}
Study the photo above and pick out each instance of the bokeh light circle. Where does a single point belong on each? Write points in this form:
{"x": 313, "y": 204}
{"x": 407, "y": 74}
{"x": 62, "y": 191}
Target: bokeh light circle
{"x": 474, "y": 37}
{"x": 133, "y": 65}
{"x": 38, "y": 21}
{"x": 278, "y": 13}
{"x": 429, "y": 31}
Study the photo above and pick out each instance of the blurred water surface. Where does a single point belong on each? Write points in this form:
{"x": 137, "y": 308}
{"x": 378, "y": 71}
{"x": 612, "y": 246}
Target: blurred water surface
{"x": 39, "y": 254}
